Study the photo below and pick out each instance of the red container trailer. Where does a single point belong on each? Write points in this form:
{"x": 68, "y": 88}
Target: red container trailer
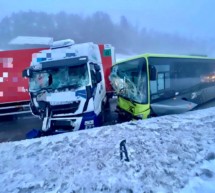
{"x": 14, "y": 96}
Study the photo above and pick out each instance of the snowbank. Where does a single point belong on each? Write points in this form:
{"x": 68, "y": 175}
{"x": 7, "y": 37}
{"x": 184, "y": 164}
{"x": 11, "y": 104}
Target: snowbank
{"x": 167, "y": 154}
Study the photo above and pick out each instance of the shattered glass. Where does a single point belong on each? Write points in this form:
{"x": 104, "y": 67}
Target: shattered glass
{"x": 130, "y": 82}
{"x": 75, "y": 77}
{"x": 39, "y": 81}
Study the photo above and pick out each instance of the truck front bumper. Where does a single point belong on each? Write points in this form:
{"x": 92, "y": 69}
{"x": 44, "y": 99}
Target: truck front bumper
{"x": 73, "y": 123}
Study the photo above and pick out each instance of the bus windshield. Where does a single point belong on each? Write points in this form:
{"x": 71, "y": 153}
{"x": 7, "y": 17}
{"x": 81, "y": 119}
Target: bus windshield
{"x": 65, "y": 77}
{"x": 129, "y": 80}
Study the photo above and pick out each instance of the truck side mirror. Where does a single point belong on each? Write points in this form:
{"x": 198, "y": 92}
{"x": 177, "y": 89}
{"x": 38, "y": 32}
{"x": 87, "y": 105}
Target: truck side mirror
{"x": 98, "y": 77}
{"x": 97, "y": 67}
{"x": 26, "y": 73}
{"x": 89, "y": 92}
{"x": 152, "y": 72}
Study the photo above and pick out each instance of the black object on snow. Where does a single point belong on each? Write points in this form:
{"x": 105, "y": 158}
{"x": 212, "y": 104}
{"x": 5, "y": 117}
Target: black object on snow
{"x": 123, "y": 150}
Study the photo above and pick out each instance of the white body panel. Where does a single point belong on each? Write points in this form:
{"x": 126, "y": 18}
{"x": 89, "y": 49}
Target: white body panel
{"x": 94, "y": 104}
{"x": 85, "y": 49}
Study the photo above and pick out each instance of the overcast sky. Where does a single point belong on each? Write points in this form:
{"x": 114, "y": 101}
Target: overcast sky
{"x": 191, "y": 18}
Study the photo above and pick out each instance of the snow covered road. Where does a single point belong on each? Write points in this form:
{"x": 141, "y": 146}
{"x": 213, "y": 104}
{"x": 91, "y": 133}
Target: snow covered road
{"x": 168, "y": 154}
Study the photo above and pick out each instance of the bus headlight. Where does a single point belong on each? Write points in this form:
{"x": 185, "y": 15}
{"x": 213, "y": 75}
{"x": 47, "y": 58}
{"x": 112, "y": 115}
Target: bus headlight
{"x": 140, "y": 116}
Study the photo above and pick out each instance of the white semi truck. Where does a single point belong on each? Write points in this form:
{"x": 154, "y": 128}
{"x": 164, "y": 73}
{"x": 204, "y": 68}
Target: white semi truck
{"x": 69, "y": 85}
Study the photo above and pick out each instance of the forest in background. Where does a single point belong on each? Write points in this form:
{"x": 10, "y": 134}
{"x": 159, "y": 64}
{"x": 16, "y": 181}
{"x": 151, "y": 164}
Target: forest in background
{"x": 98, "y": 28}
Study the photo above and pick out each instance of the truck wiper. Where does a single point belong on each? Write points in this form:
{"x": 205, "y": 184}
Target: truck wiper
{"x": 41, "y": 90}
{"x": 74, "y": 86}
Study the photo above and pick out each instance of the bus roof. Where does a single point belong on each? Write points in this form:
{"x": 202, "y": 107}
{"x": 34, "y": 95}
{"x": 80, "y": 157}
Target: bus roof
{"x": 148, "y": 55}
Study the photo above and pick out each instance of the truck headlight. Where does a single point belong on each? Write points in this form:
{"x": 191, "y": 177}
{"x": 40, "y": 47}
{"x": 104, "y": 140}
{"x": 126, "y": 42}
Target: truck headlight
{"x": 89, "y": 124}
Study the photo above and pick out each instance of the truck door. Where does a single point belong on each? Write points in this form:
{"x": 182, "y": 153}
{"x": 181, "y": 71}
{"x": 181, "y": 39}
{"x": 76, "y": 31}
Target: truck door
{"x": 97, "y": 87}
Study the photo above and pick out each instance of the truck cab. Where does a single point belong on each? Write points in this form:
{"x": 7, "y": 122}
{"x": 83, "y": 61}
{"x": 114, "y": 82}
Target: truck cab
{"x": 69, "y": 85}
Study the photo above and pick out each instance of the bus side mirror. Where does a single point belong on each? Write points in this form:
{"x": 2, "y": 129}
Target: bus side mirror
{"x": 152, "y": 73}
{"x": 27, "y": 73}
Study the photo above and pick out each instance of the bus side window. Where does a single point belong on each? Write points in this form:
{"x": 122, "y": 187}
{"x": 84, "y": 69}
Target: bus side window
{"x": 160, "y": 81}
{"x": 153, "y": 87}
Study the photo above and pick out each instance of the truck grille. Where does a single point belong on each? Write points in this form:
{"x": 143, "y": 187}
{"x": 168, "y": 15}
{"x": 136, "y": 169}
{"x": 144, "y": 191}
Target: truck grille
{"x": 65, "y": 108}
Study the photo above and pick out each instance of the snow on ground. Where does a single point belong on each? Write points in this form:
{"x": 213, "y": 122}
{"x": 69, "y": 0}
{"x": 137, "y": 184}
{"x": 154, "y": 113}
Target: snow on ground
{"x": 168, "y": 154}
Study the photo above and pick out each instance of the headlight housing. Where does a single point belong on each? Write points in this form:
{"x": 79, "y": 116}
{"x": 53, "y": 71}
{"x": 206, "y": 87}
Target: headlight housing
{"x": 89, "y": 124}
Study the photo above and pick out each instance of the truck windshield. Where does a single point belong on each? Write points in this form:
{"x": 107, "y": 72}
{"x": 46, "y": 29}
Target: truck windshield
{"x": 64, "y": 77}
{"x": 129, "y": 80}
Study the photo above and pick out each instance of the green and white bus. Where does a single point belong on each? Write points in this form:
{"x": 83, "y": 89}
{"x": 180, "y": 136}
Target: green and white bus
{"x": 155, "y": 84}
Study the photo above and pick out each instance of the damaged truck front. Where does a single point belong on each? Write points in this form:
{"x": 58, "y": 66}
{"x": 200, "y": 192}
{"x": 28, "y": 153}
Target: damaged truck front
{"x": 67, "y": 85}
